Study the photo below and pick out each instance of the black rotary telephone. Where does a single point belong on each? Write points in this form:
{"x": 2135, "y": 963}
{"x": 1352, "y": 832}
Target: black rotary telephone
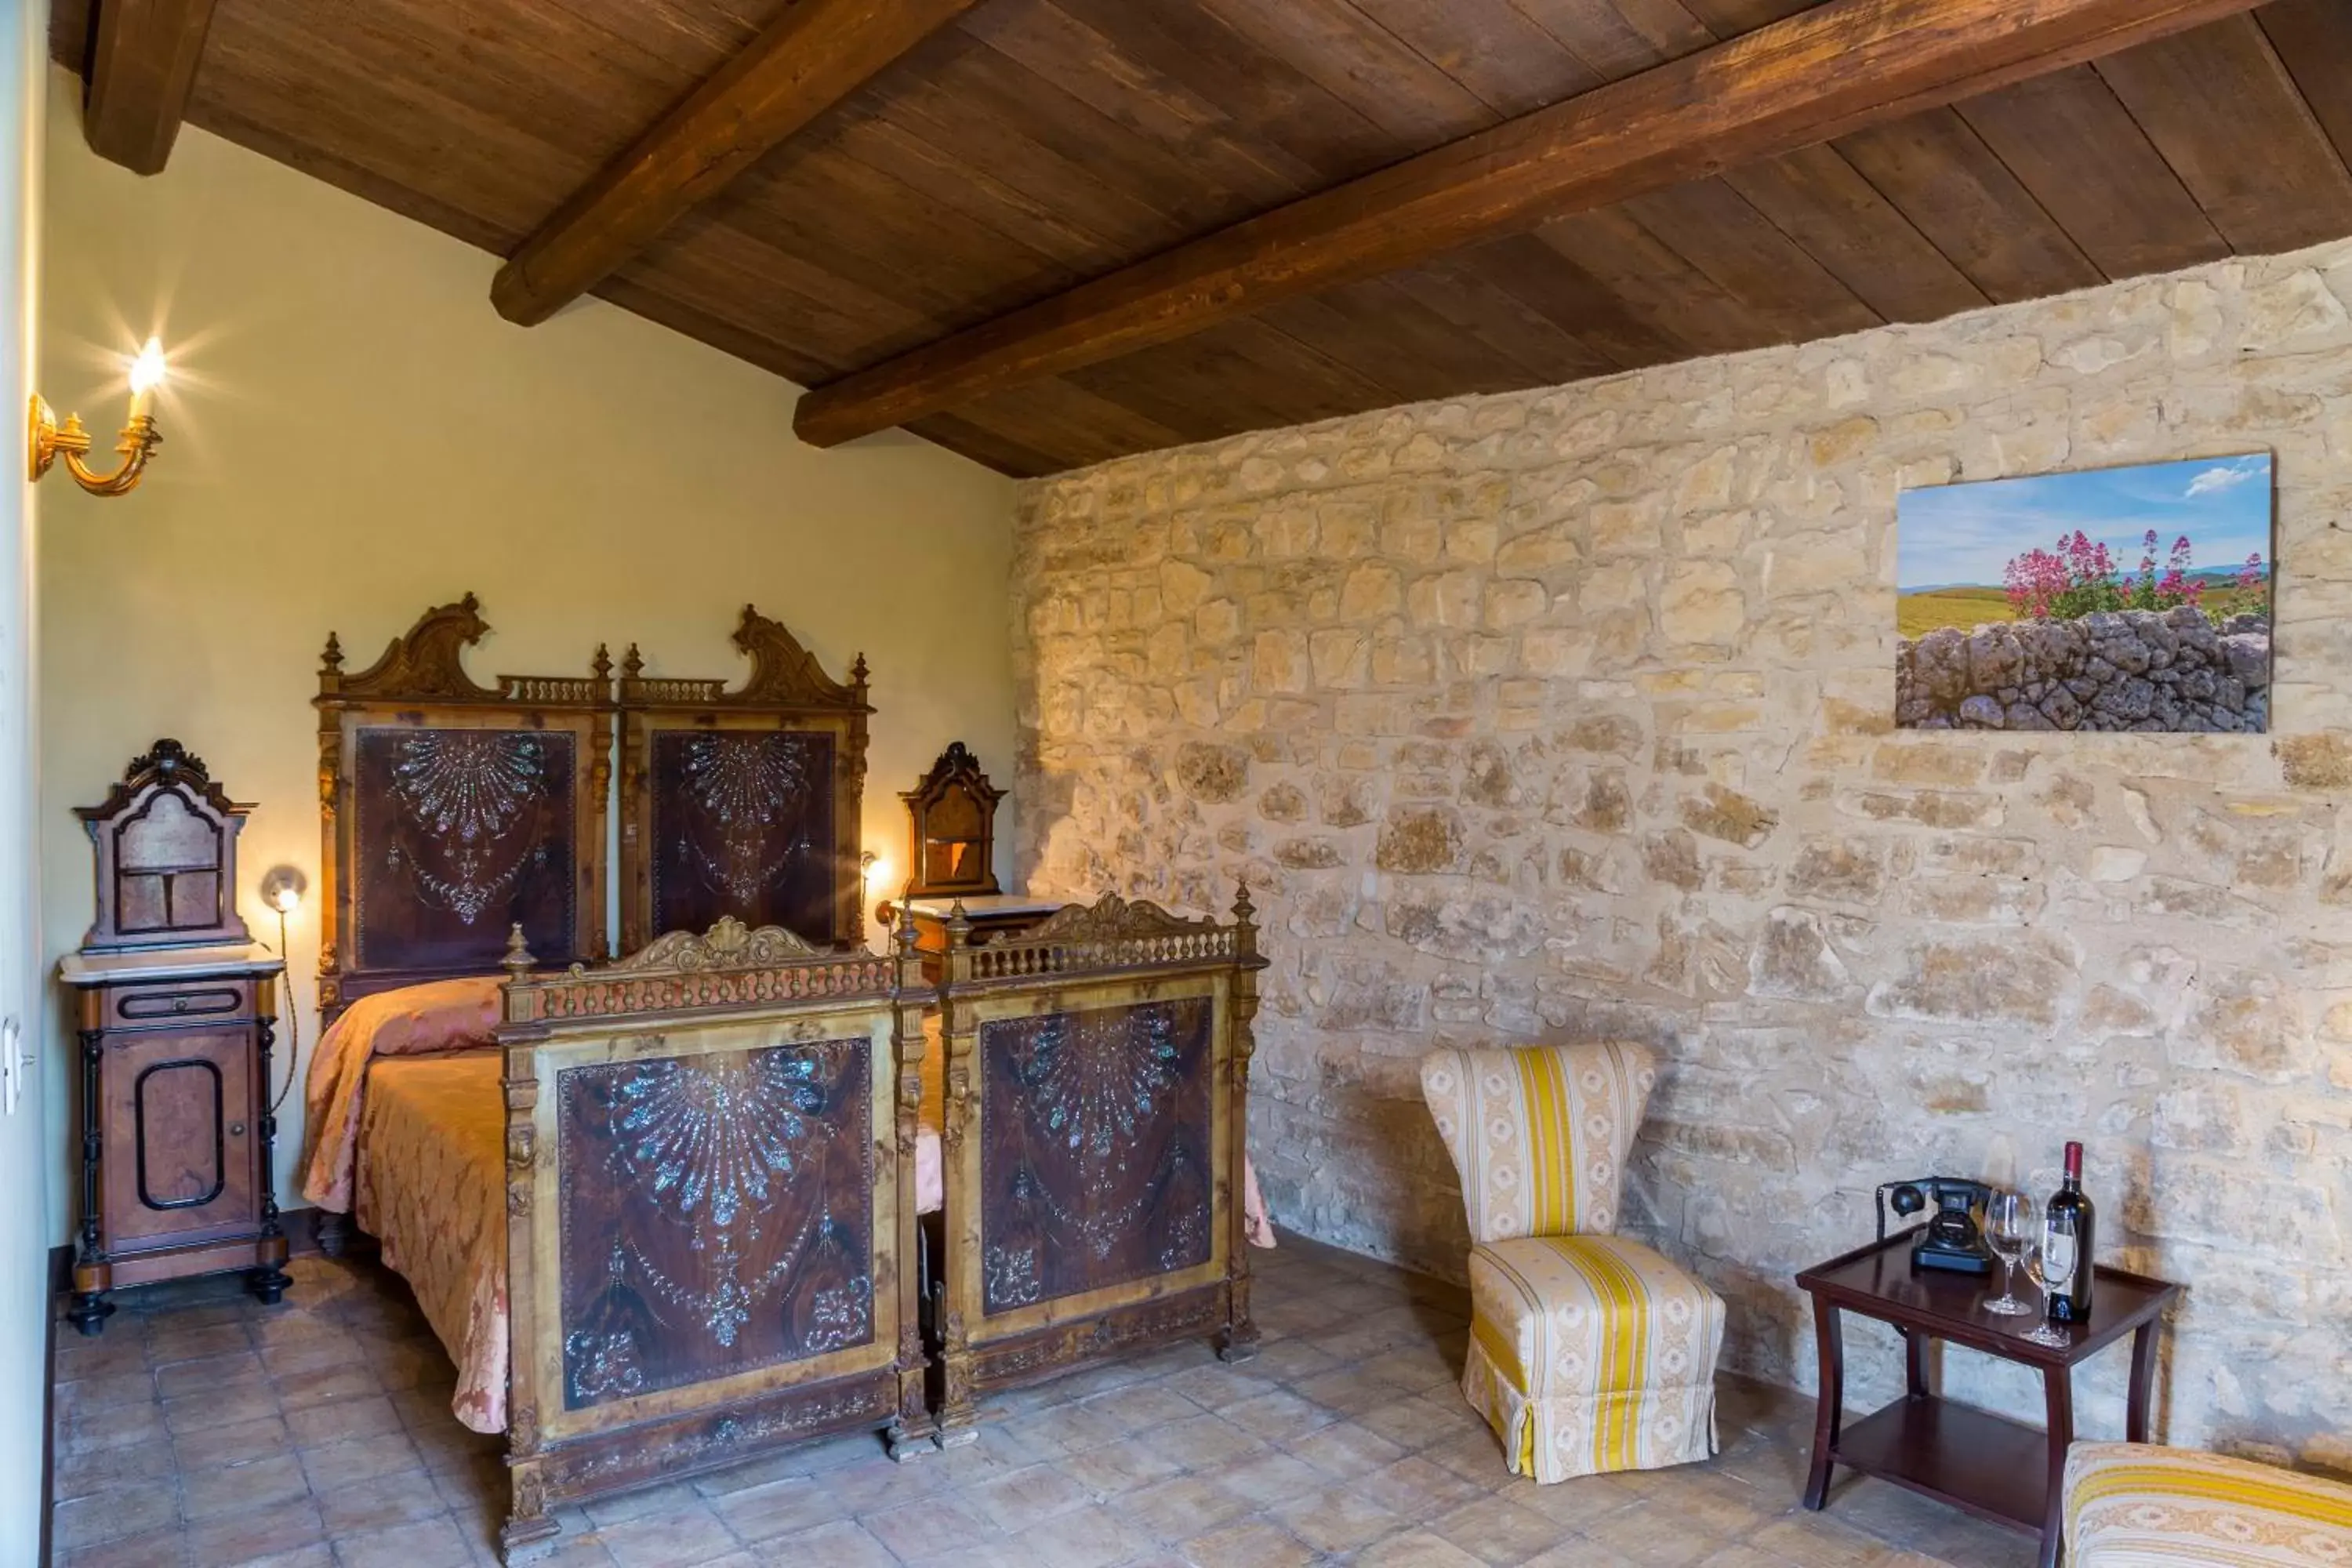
{"x": 1950, "y": 1240}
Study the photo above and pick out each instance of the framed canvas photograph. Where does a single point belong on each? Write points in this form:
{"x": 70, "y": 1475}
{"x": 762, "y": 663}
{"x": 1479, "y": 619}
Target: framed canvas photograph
{"x": 2118, "y": 599}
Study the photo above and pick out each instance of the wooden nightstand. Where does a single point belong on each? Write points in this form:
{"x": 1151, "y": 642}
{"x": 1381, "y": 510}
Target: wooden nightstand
{"x": 175, "y": 1012}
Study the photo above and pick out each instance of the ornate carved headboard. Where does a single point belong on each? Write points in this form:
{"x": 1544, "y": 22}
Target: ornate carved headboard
{"x": 451, "y": 812}
{"x": 743, "y": 804}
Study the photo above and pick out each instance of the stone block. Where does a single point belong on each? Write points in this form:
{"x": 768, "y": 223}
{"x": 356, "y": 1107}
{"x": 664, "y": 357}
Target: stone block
{"x": 2017, "y": 980}
{"x": 1419, "y": 841}
{"x": 1211, "y": 772}
{"x": 1703, "y": 603}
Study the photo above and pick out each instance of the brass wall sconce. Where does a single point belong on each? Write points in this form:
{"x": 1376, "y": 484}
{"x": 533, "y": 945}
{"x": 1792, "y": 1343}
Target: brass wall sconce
{"x": 51, "y": 440}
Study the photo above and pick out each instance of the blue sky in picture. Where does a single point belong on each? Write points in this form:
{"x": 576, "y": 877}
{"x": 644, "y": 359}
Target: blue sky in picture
{"x": 1964, "y": 535}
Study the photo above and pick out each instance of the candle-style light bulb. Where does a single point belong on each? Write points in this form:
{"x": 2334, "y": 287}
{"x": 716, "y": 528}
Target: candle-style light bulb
{"x": 147, "y": 370}
{"x": 287, "y": 899}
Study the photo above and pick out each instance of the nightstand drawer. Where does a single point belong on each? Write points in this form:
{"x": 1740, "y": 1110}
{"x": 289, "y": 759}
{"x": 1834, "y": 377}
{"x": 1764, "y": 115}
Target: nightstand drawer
{"x": 187, "y": 1002}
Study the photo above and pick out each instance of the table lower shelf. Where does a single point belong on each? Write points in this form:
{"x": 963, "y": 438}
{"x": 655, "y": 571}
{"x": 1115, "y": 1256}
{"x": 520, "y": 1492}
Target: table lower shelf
{"x": 1994, "y": 1467}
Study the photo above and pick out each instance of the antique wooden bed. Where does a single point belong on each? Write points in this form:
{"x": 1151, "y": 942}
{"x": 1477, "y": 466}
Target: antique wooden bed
{"x": 1097, "y": 1093}
{"x": 709, "y": 1183}
{"x": 535, "y": 1152}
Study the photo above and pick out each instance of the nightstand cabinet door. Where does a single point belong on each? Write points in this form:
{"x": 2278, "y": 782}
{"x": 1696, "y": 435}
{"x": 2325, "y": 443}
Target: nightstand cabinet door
{"x": 181, "y": 1109}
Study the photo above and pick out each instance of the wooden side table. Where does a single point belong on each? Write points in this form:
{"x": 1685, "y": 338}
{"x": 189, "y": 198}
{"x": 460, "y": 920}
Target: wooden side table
{"x": 1994, "y": 1467}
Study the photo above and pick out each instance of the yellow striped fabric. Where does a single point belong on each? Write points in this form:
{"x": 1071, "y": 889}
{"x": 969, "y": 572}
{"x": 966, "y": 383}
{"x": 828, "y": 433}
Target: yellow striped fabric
{"x": 1540, "y": 1134}
{"x": 1590, "y": 1354}
{"x": 2132, "y": 1505}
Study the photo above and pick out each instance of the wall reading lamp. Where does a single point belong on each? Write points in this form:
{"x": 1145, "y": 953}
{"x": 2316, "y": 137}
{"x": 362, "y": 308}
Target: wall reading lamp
{"x": 51, "y": 440}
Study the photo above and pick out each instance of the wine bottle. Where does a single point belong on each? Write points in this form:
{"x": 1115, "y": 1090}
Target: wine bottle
{"x": 2068, "y": 1234}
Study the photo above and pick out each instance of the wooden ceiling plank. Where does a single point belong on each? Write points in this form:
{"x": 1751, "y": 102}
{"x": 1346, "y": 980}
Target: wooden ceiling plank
{"x": 1490, "y": 48}
{"x": 1818, "y": 76}
{"x": 857, "y": 221}
{"x": 974, "y": 194}
{"x": 716, "y": 268}
{"x": 1265, "y": 98}
{"x": 143, "y": 66}
{"x": 1368, "y": 68}
{"x": 310, "y": 91}
{"x": 1658, "y": 286}
{"x": 813, "y": 55}
{"x": 2314, "y": 38}
{"x": 1148, "y": 103}
{"x": 661, "y": 307}
{"x": 986, "y": 81}
{"x": 2226, "y": 115}
{"x": 1384, "y": 333}
{"x": 1817, "y": 198}
{"x": 1713, "y": 227}
{"x": 989, "y": 449}
{"x": 1729, "y": 17}
{"x": 1068, "y": 425}
{"x": 1239, "y": 376}
{"x": 1615, "y": 39}
{"x": 370, "y": 184}
{"x": 968, "y": 105}
{"x": 2078, "y": 150}
{"x": 1526, "y": 294}
{"x": 1943, "y": 179}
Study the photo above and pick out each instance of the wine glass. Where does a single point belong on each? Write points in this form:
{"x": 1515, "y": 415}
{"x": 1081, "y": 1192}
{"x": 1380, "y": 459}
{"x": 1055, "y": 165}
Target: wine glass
{"x": 2009, "y": 1226}
{"x": 2041, "y": 1333}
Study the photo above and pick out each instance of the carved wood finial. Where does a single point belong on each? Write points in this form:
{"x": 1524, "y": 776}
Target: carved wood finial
{"x": 331, "y": 660}
{"x": 430, "y": 661}
{"x": 602, "y": 664}
{"x": 1245, "y": 912}
{"x": 730, "y": 944}
{"x": 857, "y": 671}
{"x": 959, "y": 926}
{"x": 784, "y": 671}
{"x": 1110, "y": 919}
{"x": 518, "y": 962}
{"x": 632, "y": 664}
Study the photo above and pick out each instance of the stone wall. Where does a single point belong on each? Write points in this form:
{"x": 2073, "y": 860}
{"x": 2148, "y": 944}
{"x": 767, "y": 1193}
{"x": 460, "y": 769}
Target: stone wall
{"x": 2168, "y": 672}
{"x": 1571, "y": 712}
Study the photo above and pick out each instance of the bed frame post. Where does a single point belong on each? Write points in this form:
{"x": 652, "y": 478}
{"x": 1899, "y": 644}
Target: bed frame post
{"x": 527, "y": 1519}
{"x": 331, "y": 892}
{"x": 1238, "y": 1340}
{"x": 958, "y": 1420}
{"x": 915, "y": 1431}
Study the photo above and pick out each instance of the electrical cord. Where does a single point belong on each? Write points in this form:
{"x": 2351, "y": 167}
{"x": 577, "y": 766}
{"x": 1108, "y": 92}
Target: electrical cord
{"x": 293, "y": 1025}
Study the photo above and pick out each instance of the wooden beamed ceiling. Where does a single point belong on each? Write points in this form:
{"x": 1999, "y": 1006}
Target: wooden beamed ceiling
{"x": 941, "y": 168}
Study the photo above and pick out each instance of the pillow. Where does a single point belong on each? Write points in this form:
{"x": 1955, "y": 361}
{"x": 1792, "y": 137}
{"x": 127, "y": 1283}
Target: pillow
{"x": 1540, "y": 1133}
{"x": 414, "y": 1020}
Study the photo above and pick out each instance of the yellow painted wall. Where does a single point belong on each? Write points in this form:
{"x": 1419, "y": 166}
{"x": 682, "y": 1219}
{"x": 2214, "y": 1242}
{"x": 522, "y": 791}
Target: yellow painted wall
{"x": 352, "y": 435}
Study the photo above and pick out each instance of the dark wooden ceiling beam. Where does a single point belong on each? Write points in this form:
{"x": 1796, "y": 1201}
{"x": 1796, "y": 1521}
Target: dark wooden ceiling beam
{"x": 813, "y": 55}
{"x": 142, "y": 65}
{"x": 1820, "y": 74}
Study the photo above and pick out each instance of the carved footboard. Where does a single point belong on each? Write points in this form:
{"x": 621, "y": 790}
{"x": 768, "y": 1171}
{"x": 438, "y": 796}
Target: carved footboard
{"x": 1097, "y": 1090}
{"x": 710, "y": 1212}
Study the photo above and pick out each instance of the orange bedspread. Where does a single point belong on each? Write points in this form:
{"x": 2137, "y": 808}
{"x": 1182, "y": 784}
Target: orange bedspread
{"x": 432, "y": 1191}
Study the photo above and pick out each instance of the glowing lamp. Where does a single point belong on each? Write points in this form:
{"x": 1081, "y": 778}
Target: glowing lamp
{"x": 50, "y": 440}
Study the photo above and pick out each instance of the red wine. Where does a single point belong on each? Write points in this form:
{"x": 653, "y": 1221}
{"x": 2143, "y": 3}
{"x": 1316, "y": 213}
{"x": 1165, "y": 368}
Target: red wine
{"x": 2068, "y": 1233}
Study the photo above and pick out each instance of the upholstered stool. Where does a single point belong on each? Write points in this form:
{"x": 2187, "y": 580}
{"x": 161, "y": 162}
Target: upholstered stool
{"x": 1588, "y": 1352}
{"x": 2131, "y": 1505}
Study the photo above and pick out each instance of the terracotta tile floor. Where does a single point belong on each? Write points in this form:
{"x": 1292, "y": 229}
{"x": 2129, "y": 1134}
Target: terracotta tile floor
{"x": 203, "y": 1430}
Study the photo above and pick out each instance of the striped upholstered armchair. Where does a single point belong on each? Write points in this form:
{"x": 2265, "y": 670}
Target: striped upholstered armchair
{"x": 2132, "y": 1505}
{"x": 1588, "y": 1352}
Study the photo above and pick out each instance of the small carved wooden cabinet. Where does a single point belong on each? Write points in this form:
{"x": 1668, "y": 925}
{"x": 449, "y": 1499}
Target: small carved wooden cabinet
{"x": 175, "y": 1009}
